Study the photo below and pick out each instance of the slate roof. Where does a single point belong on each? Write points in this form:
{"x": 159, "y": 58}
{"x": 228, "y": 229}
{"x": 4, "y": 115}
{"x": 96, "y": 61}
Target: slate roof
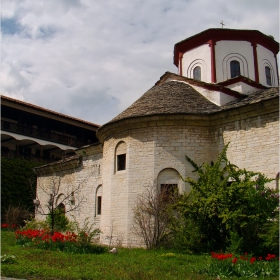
{"x": 176, "y": 97}
{"x": 256, "y": 97}
{"x": 168, "y": 98}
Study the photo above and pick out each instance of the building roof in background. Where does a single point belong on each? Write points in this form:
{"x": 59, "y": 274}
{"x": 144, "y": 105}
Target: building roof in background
{"x": 50, "y": 113}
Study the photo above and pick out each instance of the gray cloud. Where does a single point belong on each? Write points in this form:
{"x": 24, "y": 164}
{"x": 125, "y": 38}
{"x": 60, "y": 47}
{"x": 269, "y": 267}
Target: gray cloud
{"x": 91, "y": 59}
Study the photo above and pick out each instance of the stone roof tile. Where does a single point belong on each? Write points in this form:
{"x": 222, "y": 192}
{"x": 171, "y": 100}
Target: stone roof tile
{"x": 257, "y": 96}
{"x": 175, "y": 97}
{"x": 168, "y": 98}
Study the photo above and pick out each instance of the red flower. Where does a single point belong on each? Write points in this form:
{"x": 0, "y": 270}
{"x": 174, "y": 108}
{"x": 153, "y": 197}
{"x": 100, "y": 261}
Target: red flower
{"x": 252, "y": 260}
{"x": 272, "y": 256}
{"x": 234, "y": 260}
{"x": 260, "y": 258}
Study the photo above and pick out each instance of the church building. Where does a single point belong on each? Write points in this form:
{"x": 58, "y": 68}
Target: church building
{"x": 225, "y": 91}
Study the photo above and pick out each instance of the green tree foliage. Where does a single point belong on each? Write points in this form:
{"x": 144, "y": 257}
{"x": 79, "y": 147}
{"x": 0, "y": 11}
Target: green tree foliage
{"x": 60, "y": 220}
{"x": 16, "y": 180}
{"x": 229, "y": 206}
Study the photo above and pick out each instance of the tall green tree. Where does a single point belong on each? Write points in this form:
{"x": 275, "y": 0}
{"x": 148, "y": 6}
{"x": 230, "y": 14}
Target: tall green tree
{"x": 17, "y": 177}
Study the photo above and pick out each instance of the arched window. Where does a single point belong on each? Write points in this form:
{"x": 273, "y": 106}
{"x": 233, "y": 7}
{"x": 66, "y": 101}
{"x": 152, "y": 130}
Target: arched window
{"x": 234, "y": 69}
{"x": 168, "y": 183}
{"x": 268, "y": 75}
{"x": 121, "y": 156}
{"x": 61, "y": 209}
{"x": 197, "y": 73}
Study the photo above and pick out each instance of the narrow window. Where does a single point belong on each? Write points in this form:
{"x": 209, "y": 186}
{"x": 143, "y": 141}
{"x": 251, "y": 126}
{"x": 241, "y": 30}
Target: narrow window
{"x": 197, "y": 73}
{"x": 268, "y": 75}
{"x": 99, "y": 200}
{"x": 234, "y": 69}
{"x": 121, "y": 162}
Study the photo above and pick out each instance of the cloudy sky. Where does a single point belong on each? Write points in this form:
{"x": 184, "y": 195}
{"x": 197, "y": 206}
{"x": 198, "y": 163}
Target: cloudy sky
{"x": 91, "y": 59}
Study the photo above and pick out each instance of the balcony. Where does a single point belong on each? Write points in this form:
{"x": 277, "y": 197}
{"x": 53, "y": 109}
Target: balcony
{"x": 41, "y": 134}
{"x": 27, "y": 156}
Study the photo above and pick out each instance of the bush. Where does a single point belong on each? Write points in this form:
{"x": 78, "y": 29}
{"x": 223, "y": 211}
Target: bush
{"x": 18, "y": 183}
{"x": 15, "y": 216}
{"x": 61, "y": 222}
{"x": 269, "y": 236}
{"x": 229, "y": 206}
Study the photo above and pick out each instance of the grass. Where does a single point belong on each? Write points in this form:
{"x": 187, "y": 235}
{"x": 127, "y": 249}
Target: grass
{"x": 130, "y": 264}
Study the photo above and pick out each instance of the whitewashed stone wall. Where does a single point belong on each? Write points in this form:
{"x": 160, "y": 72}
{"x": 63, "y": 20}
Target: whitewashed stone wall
{"x": 151, "y": 149}
{"x": 200, "y": 56}
{"x": 253, "y": 137}
{"x": 266, "y": 58}
{"x": 227, "y": 51}
{"x": 86, "y": 176}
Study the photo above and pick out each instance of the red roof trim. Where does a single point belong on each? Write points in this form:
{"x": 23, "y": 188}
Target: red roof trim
{"x": 244, "y": 80}
{"x": 29, "y": 105}
{"x": 214, "y": 87}
{"x": 224, "y": 34}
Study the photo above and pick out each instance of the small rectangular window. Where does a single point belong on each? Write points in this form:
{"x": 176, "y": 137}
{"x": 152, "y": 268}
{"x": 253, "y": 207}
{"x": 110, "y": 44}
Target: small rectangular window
{"x": 121, "y": 162}
{"x": 99, "y": 200}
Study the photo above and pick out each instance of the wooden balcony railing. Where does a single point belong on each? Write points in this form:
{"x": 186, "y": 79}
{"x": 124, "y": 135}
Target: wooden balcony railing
{"x": 31, "y": 157}
{"x": 41, "y": 134}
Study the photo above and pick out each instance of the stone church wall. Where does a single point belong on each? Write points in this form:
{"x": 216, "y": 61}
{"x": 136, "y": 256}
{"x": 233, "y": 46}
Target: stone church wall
{"x": 86, "y": 176}
{"x": 253, "y": 138}
{"x": 155, "y": 147}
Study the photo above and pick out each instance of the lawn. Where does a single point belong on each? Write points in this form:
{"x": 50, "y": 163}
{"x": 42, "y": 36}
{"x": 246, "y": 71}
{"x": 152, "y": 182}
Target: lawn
{"x": 31, "y": 263}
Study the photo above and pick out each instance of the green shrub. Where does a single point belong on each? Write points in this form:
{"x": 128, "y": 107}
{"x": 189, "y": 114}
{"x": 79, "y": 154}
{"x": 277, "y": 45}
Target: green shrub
{"x": 228, "y": 206}
{"x": 18, "y": 183}
{"x": 270, "y": 236}
{"x": 61, "y": 222}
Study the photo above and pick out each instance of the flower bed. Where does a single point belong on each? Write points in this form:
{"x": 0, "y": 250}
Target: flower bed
{"x": 7, "y": 226}
{"x": 229, "y": 265}
{"x": 68, "y": 242}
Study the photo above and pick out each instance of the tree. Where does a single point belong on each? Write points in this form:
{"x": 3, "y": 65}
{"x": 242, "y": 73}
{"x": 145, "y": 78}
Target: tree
{"x": 16, "y": 173}
{"x": 228, "y": 205}
{"x": 63, "y": 191}
{"x": 152, "y": 214}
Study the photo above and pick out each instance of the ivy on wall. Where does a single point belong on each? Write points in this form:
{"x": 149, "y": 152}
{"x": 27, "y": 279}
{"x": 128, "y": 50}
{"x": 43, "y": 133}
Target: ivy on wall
{"x": 18, "y": 183}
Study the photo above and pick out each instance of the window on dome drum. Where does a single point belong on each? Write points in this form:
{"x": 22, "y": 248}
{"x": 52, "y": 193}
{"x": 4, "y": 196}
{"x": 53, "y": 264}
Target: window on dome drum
{"x": 167, "y": 191}
{"x": 121, "y": 162}
{"x": 234, "y": 69}
{"x": 197, "y": 73}
{"x": 99, "y": 200}
{"x": 268, "y": 75}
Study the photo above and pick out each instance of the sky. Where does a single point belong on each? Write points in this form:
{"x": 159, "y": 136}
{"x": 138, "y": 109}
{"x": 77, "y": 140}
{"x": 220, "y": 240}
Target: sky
{"x": 91, "y": 59}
